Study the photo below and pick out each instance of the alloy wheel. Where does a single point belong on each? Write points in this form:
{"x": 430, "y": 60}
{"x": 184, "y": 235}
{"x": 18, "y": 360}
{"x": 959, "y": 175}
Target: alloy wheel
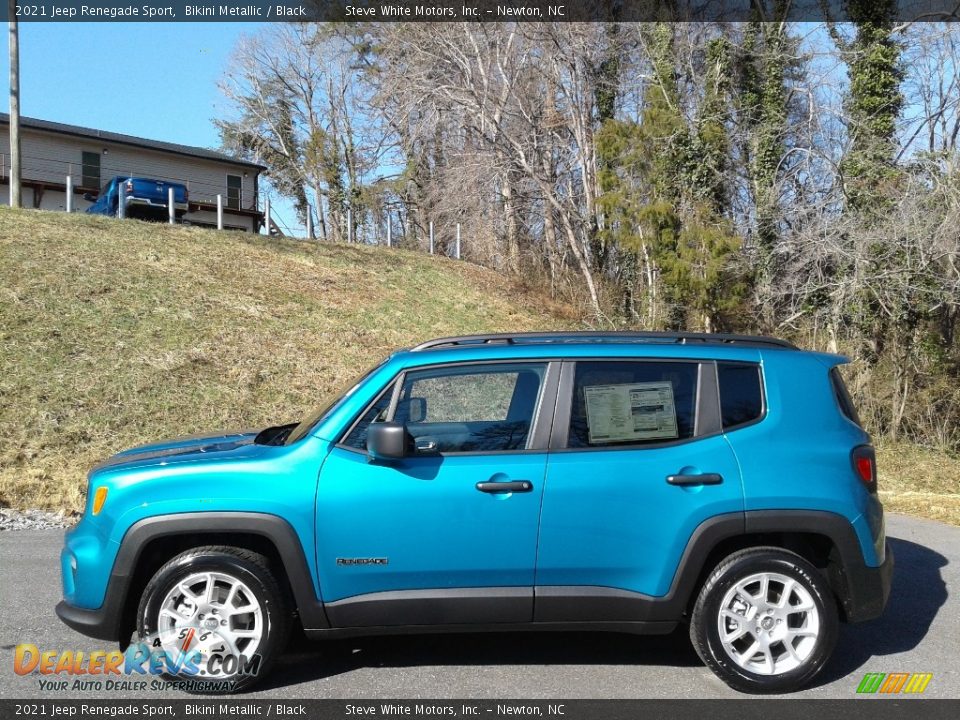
{"x": 212, "y": 613}
{"x": 768, "y": 623}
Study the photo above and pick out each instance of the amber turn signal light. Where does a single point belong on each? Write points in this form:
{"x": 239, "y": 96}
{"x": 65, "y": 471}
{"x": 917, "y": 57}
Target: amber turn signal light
{"x": 99, "y": 498}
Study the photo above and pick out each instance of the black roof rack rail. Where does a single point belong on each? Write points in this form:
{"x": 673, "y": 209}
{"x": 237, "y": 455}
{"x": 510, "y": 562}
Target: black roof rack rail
{"x": 576, "y": 336}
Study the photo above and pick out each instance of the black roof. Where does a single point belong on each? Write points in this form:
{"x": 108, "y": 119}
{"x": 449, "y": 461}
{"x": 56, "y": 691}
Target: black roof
{"x": 104, "y": 135}
{"x": 579, "y": 336}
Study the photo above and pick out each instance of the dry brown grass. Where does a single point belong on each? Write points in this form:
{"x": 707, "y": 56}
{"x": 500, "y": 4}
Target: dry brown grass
{"x": 919, "y": 481}
{"x": 115, "y": 333}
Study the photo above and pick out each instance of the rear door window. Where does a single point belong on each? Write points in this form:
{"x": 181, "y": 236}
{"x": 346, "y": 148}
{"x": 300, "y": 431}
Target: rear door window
{"x": 630, "y": 403}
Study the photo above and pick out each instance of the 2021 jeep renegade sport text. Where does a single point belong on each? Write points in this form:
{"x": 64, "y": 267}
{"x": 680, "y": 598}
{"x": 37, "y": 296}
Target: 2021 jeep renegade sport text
{"x": 613, "y": 481}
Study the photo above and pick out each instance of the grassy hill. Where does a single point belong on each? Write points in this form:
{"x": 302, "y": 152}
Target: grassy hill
{"x": 116, "y": 333}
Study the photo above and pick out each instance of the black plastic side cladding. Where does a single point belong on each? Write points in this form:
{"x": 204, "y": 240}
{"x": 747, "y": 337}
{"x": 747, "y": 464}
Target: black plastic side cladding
{"x": 104, "y": 622}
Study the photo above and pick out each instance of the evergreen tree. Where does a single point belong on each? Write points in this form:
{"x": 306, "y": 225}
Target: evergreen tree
{"x": 873, "y": 103}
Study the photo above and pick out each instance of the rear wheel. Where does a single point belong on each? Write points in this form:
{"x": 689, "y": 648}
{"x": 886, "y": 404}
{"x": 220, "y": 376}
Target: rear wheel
{"x": 765, "y": 621}
{"x": 218, "y": 613}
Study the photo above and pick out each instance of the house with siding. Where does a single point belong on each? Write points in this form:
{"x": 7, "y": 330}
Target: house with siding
{"x": 52, "y": 151}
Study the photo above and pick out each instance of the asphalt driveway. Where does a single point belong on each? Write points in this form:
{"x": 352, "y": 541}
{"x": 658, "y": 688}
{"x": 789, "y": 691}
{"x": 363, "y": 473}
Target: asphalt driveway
{"x": 920, "y": 632}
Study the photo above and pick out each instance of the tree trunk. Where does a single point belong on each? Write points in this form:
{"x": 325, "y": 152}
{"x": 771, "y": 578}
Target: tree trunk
{"x": 512, "y": 230}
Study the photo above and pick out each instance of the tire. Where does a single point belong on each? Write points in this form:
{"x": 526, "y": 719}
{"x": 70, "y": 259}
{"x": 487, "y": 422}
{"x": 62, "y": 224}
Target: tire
{"x": 223, "y": 602}
{"x": 758, "y": 629}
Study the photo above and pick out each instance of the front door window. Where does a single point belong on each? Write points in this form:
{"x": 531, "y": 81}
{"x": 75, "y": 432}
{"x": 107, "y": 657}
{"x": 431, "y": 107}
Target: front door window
{"x": 479, "y": 408}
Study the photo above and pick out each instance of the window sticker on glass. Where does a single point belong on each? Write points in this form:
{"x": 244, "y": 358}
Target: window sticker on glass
{"x": 632, "y": 411}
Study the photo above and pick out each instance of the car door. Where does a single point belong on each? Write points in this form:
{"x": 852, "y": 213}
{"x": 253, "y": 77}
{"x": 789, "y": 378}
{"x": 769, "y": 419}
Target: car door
{"x": 637, "y": 463}
{"x": 436, "y": 537}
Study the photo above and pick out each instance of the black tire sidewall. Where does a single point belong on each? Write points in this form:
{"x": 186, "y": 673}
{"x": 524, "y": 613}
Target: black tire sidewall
{"x": 188, "y": 564}
{"x": 709, "y": 608}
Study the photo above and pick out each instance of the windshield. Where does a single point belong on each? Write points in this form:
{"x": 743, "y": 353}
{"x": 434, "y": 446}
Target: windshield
{"x": 331, "y": 403}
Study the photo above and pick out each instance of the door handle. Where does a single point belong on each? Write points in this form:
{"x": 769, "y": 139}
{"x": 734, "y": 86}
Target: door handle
{"x": 704, "y": 479}
{"x": 505, "y": 487}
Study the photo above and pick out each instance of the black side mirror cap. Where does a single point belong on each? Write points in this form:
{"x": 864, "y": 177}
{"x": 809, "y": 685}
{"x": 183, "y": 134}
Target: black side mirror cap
{"x": 89, "y": 197}
{"x": 387, "y": 441}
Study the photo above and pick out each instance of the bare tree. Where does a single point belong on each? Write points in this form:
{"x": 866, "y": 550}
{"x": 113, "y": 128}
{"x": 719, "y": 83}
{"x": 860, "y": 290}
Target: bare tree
{"x": 932, "y": 87}
{"x": 301, "y": 107}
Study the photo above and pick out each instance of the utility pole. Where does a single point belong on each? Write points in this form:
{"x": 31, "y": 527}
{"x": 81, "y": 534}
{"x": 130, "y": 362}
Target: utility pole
{"x": 15, "y": 200}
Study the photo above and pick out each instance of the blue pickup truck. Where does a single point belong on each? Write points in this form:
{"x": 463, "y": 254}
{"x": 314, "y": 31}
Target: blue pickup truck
{"x": 142, "y": 197}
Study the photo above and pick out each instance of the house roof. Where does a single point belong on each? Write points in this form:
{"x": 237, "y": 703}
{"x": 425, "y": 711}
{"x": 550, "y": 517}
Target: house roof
{"x": 106, "y": 136}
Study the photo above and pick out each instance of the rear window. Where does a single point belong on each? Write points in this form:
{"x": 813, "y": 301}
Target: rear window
{"x": 844, "y": 401}
{"x": 741, "y": 397}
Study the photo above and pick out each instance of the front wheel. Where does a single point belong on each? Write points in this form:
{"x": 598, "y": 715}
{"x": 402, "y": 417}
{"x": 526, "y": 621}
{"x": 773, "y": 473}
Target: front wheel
{"x": 215, "y": 618}
{"x": 765, "y": 621}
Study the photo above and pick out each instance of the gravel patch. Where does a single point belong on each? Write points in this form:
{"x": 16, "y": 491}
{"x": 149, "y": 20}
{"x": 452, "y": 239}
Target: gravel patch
{"x": 11, "y": 519}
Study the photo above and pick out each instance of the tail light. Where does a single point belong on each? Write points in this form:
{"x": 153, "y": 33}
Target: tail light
{"x": 865, "y": 466}
{"x": 129, "y": 187}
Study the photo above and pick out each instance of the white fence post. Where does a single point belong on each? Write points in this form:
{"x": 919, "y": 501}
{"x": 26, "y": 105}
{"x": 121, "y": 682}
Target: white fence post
{"x": 309, "y": 222}
{"x": 266, "y": 214}
{"x": 69, "y": 193}
{"x": 389, "y": 228}
{"x": 431, "y": 237}
{"x": 349, "y": 224}
{"x": 219, "y": 212}
{"x": 121, "y": 200}
{"x": 171, "y": 212}
{"x": 457, "y": 247}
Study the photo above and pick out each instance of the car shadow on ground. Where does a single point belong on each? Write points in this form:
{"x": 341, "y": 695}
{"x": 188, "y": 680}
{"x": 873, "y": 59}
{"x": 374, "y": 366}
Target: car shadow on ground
{"x": 306, "y": 661}
{"x": 916, "y": 597}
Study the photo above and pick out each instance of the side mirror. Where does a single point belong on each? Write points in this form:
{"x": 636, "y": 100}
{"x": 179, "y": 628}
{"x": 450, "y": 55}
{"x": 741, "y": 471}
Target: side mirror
{"x": 387, "y": 441}
{"x": 89, "y": 197}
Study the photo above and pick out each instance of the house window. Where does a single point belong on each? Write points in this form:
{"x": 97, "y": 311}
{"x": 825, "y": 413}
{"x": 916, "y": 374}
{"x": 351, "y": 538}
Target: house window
{"x": 234, "y": 188}
{"x": 91, "y": 170}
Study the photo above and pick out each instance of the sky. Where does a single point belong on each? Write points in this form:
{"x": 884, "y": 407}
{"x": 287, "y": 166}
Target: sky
{"x": 77, "y": 73}
{"x": 92, "y": 74}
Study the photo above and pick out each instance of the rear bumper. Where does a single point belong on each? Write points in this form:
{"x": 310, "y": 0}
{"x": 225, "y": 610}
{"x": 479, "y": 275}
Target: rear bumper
{"x": 867, "y": 589}
{"x": 141, "y": 202}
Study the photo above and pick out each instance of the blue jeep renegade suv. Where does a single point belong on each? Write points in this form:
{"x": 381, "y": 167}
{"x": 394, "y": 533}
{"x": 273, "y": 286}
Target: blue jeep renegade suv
{"x": 624, "y": 482}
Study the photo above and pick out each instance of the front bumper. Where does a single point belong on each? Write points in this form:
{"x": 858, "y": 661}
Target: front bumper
{"x": 93, "y": 588}
{"x": 102, "y": 623}
{"x": 867, "y": 589}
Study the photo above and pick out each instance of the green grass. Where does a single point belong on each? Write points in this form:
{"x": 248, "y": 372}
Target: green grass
{"x": 115, "y": 333}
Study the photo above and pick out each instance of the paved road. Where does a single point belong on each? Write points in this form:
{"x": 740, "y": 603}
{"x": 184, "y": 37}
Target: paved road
{"x": 920, "y": 632}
